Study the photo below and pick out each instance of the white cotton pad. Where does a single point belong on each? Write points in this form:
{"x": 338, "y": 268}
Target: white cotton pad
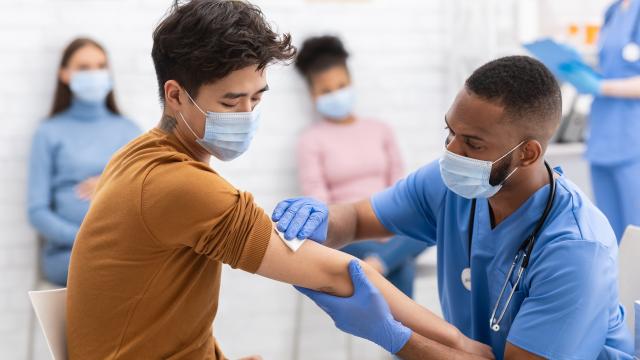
{"x": 294, "y": 244}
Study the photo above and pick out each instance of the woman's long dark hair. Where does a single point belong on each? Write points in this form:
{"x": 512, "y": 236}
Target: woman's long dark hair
{"x": 62, "y": 98}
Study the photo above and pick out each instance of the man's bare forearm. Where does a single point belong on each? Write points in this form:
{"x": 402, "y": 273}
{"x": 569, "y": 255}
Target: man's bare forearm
{"x": 419, "y": 347}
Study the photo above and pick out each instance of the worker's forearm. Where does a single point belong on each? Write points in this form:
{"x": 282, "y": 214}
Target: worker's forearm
{"x": 413, "y": 315}
{"x": 350, "y": 222}
{"x": 343, "y": 222}
{"x": 419, "y": 347}
{"x": 623, "y": 88}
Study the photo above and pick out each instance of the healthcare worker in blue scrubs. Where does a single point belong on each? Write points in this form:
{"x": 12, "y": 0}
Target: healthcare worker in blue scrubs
{"x": 526, "y": 263}
{"x": 613, "y": 147}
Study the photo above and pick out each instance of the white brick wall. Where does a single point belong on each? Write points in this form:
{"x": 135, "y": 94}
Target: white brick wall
{"x": 398, "y": 62}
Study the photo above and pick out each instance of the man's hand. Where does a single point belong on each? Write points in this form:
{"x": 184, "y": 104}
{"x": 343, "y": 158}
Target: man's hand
{"x": 302, "y": 218}
{"x": 364, "y": 314}
{"x": 86, "y": 189}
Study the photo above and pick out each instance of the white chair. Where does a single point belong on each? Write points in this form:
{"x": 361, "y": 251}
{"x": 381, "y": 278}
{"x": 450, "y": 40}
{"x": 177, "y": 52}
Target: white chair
{"x": 50, "y": 307}
{"x": 628, "y": 271}
{"x": 34, "y": 343}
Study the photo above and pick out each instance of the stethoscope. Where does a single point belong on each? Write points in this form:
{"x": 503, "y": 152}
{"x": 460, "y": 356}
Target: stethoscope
{"x": 631, "y": 51}
{"x": 522, "y": 255}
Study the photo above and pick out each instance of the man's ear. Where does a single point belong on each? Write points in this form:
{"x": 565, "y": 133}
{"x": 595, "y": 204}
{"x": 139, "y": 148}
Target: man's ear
{"x": 172, "y": 95}
{"x": 530, "y": 152}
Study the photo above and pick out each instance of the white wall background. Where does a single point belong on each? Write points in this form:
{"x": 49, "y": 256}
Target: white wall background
{"x": 400, "y": 64}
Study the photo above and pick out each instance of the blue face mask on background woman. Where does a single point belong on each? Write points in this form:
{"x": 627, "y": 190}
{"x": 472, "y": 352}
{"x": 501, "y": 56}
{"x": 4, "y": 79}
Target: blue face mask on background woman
{"x": 226, "y": 135}
{"x": 336, "y": 105}
{"x": 91, "y": 86}
{"x": 470, "y": 178}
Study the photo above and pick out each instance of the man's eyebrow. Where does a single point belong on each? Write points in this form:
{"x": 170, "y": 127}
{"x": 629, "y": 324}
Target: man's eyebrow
{"x": 446, "y": 121}
{"x": 233, "y": 96}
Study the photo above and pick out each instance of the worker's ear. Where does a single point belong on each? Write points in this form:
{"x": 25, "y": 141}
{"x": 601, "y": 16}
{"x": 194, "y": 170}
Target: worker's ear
{"x": 530, "y": 152}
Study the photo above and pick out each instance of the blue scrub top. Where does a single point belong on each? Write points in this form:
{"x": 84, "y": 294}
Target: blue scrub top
{"x": 615, "y": 122}
{"x": 566, "y": 306}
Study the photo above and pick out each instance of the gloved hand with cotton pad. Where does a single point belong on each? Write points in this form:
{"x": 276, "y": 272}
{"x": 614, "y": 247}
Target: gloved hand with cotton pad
{"x": 301, "y": 218}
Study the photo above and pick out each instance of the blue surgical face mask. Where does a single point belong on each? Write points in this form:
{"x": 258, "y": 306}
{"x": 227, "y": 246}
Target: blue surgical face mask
{"x": 337, "y": 105}
{"x": 226, "y": 135}
{"x": 470, "y": 178}
{"x": 91, "y": 86}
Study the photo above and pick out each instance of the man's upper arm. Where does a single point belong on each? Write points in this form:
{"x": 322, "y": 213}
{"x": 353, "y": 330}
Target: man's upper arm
{"x": 313, "y": 266}
{"x": 189, "y": 205}
{"x": 409, "y": 207}
{"x": 566, "y": 312}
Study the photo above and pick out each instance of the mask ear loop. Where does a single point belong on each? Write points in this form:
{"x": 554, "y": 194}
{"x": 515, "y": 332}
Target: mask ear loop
{"x": 189, "y": 127}
{"x": 509, "y": 152}
{"x": 184, "y": 120}
{"x": 194, "y": 102}
{"x": 504, "y": 156}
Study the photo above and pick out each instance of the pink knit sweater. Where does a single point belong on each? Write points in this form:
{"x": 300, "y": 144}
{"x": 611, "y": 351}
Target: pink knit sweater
{"x": 347, "y": 162}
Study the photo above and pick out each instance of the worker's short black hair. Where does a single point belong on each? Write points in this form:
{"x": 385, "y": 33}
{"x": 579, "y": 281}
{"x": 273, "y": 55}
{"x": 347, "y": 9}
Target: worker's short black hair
{"x": 320, "y": 53}
{"x": 202, "y": 41}
{"x": 525, "y": 88}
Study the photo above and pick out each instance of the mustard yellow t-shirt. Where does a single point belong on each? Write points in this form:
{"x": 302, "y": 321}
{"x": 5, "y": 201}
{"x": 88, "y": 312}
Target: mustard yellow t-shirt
{"x": 145, "y": 269}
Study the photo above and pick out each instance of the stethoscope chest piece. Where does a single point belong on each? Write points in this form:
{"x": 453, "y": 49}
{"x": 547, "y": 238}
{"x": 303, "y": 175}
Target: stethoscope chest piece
{"x": 631, "y": 52}
{"x": 465, "y": 277}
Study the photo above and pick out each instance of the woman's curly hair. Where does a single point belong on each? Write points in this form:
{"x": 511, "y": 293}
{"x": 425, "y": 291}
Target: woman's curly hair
{"x": 202, "y": 41}
{"x": 320, "y": 53}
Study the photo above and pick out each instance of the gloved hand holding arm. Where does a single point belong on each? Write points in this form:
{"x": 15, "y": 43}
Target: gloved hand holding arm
{"x": 366, "y": 314}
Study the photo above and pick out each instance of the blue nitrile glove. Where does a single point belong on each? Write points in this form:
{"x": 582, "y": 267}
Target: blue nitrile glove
{"x": 302, "y": 218}
{"x": 581, "y": 77}
{"x": 365, "y": 314}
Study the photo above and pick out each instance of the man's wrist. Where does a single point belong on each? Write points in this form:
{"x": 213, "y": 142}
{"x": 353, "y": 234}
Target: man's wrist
{"x": 458, "y": 338}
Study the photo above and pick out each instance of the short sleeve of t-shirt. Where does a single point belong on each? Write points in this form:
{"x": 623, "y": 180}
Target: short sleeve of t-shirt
{"x": 185, "y": 203}
{"x": 412, "y": 205}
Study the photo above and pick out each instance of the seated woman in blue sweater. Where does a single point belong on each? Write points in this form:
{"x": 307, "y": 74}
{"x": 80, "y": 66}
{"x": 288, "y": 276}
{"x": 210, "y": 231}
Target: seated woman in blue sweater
{"x": 70, "y": 150}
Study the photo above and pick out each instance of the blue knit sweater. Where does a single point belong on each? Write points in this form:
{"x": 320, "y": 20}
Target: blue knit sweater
{"x": 67, "y": 149}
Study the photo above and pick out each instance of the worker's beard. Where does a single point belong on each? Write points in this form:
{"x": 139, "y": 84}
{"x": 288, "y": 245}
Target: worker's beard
{"x": 501, "y": 170}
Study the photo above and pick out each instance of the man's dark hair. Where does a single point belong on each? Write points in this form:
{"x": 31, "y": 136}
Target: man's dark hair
{"x": 202, "y": 41}
{"x": 525, "y": 88}
{"x": 318, "y": 54}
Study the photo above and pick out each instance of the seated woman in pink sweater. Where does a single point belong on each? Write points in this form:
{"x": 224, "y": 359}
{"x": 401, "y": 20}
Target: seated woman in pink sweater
{"x": 342, "y": 158}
